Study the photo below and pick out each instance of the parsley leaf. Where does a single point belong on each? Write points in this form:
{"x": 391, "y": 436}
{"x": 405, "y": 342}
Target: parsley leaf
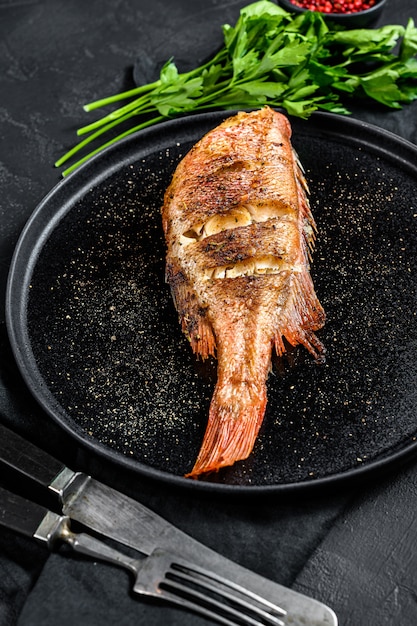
{"x": 273, "y": 57}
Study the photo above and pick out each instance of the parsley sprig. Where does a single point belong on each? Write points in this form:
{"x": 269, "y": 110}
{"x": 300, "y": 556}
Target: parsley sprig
{"x": 271, "y": 58}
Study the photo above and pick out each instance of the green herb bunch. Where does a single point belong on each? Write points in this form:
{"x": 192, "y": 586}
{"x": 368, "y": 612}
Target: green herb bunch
{"x": 269, "y": 58}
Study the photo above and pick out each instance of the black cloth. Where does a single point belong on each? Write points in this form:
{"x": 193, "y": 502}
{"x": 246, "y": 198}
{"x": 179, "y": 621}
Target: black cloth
{"x": 355, "y": 548}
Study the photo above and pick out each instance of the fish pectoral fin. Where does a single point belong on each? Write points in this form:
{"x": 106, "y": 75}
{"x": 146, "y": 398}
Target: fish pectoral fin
{"x": 194, "y": 322}
{"x": 201, "y": 336}
{"x": 303, "y": 315}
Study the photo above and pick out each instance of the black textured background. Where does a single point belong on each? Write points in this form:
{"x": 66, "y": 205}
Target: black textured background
{"x": 350, "y": 548}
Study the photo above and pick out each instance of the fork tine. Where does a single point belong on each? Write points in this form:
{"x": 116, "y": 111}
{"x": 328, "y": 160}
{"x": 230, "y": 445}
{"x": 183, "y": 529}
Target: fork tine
{"x": 217, "y": 610}
{"x": 219, "y": 584}
{"x": 233, "y": 600}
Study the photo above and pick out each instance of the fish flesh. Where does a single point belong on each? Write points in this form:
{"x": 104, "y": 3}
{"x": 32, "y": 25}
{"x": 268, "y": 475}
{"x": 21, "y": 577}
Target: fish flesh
{"x": 239, "y": 234}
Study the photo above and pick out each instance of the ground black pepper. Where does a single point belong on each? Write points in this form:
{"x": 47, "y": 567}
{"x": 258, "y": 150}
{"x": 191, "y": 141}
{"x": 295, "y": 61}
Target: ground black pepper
{"x": 106, "y": 336}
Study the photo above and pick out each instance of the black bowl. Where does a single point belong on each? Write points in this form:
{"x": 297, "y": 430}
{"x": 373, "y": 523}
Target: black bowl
{"x": 359, "y": 19}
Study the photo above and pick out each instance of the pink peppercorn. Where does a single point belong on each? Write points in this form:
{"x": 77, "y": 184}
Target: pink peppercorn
{"x": 334, "y": 6}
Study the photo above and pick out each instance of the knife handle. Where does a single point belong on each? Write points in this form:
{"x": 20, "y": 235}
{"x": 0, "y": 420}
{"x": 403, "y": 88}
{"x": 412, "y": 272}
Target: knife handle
{"x": 27, "y": 459}
{"x": 19, "y": 514}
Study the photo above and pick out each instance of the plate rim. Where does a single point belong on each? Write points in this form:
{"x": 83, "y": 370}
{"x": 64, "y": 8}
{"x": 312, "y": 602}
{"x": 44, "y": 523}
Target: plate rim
{"x": 99, "y": 168}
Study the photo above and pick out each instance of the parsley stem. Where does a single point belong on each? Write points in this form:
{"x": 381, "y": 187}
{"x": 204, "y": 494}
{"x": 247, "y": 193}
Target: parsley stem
{"x": 91, "y": 106}
{"x": 141, "y": 126}
{"x": 137, "y": 105}
{"x": 89, "y": 139}
{"x": 270, "y": 57}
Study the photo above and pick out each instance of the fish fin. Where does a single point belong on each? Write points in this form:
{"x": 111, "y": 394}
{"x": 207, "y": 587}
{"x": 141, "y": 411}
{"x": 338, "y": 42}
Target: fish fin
{"x": 307, "y": 224}
{"x": 201, "y": 338}
{"x": 194, "y": 322}
{"x": 235, "y": 417}
{"x": 302, "y": 316}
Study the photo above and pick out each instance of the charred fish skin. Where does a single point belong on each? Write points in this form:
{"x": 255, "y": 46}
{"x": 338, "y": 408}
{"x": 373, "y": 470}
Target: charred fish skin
{"x": 240, "y": 233}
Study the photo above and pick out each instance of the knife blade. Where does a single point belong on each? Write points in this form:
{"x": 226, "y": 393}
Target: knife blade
{"x": 194, "y": 589}
{"x": 127, "y": 521}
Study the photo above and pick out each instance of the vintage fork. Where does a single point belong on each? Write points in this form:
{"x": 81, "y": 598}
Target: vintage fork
{"x": 166, "y": 576}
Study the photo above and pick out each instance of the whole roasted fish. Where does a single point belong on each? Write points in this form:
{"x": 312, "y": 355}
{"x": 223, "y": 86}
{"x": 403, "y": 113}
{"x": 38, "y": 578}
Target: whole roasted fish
{"x": 239, "y": 233}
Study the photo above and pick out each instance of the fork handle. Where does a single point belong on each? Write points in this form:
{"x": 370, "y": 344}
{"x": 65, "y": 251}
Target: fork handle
{"x": 33, "y": 520}
{"x": 56, "y": 528}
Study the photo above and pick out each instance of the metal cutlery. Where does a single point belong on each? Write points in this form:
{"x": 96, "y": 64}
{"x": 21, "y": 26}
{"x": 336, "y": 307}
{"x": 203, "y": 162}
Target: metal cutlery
{"x": 161, "y": 575}
{"x": 126, "y": 521}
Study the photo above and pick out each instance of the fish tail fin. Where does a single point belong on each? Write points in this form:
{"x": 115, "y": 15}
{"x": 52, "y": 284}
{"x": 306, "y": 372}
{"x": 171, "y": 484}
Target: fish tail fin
{"x": 235, "y": 417}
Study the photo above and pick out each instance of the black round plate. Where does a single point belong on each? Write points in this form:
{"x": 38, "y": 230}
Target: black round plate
{"x": 96, "y": 337}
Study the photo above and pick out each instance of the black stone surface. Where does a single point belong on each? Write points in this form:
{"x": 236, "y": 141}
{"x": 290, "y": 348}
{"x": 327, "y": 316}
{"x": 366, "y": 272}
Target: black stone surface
{"x": 353, "y": 547}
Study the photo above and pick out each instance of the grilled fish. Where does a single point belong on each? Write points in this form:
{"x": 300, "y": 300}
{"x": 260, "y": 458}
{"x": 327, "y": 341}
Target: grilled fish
{"x": 239, "y": 234}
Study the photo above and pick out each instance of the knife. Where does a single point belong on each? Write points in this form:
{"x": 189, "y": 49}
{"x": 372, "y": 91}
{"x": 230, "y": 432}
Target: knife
{"x": 127, "y": 521}
{"x": 162, "y": 575}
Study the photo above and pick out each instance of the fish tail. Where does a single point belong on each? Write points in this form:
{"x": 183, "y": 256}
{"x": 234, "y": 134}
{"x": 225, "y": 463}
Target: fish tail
{"x": 235, "y": 417}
